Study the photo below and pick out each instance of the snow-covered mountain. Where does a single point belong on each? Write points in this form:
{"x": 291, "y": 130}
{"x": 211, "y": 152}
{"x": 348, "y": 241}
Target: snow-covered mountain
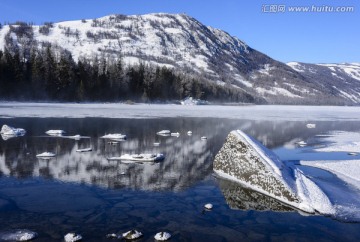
{"x": 180, "y": 42}
{"x": 341, "y": 80}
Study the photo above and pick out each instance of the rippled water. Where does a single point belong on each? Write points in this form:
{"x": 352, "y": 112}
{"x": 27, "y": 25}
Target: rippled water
{"x": 87, "y": 194}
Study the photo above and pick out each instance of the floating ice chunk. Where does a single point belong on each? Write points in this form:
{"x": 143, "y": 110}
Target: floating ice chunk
{"x": 156, "y": 143}
{"x": 204, "y": 138}
{"x": 132, "y": 234}
{"x": 46, "y": 155}
{"x": 162, "y": 236}
{"x": 114, "y": 136}
{"x": 114, "y": 236}
{"x": 340, "y": 141}
{"x": 84, "y": 150}
{"x": 353, "y": 153}
{"x": 208, "y": 206}
{"x": 72, "y": 237}
{"x": 17, "y": 235}
{"x": 189, "y": 133}
{"x": 164, "y": 132}
{"x": 301, "y": 143}
{"x": 55, "y": 132}
{"x": 139, "y": 157}
{"x": 313, "y": 198}
{"x": 310, "y": 126}
{"x": 8, "y": 132}
{"x": 177, "y": 134}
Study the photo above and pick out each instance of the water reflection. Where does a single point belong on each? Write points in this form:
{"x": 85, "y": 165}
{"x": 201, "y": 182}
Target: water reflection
{"x": 188, "y": 158}
{"x": 242, "y": 198}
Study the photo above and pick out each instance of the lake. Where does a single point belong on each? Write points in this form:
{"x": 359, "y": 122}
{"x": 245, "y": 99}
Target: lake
{"x": 88, "y": 194}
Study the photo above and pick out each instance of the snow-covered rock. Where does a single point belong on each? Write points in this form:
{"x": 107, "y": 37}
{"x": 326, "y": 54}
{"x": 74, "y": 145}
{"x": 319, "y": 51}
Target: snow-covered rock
{"x": 162, "y": 236}
{"x": 132, "y": 234}
{"x": 244, "y": 160}
{"x": 17, "y": 235}
{"x": 72, "y": 237}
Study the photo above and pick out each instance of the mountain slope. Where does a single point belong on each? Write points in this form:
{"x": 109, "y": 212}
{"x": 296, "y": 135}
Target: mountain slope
{"x": 179, "y": 42}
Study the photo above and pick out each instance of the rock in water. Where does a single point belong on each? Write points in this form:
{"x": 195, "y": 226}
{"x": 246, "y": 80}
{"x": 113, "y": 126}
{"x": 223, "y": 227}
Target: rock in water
{"x": 72, "y": 237}
{"x": 132, "y": 234}
{"x": 245, "y": 160}
{"x": 162, "y": 236}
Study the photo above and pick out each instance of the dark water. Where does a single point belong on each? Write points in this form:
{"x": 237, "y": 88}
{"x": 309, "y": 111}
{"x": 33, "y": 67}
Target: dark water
{"x": 87, "y": 194}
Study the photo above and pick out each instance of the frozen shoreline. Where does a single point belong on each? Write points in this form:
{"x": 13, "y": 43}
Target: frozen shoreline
{"x": 139, "y": 111}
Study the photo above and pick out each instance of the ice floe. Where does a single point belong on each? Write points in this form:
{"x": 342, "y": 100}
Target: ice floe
{"x": 84, "y": 150}
{"x": 164, "y": 132}
{"x": 46, "y": 155}
{"x": 177, "y": 134}
{"x": 340, "y": 141}
{"x": 203, "y": 137}
{"x": 116, "y": 136}
{"x": 189, "y": 133}
{"x": 347, "y": 170}
{"x": 8, "y": 132}
{"x": 17, "y": 235}
{"x": 55, "y": 132}
{"x": 139, "y": 157}
{"x": 162, "y": 236}
{"x": 311, "y": 126}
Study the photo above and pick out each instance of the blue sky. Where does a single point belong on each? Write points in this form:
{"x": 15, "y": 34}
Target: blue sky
{"x": 313, "y": 37}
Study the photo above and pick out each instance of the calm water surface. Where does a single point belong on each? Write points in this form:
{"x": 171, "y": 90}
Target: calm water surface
{"x": 87, "y": 194}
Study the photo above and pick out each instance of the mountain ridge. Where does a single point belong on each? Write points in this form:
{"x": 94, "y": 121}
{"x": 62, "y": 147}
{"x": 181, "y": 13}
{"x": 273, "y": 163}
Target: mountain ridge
{"x": 182, "y": 43}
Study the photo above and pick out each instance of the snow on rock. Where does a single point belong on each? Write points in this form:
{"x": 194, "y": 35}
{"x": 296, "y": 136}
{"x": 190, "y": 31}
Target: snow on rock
{"x": 244, "y": 160}
{"x": 340, "y": 141}
{"x": 312, "y": 196}
{"x": 162, "y": 236}
{"x": 72, "y": 237}
{"x": 132, "y": 234}
{"x": 17, "y": 235}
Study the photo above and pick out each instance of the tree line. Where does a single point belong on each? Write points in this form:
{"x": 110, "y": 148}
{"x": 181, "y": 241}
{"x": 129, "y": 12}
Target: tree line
{"x": 51, "y": 74}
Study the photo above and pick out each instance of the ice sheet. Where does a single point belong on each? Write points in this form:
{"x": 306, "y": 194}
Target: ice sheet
{"x": 340, "y": 141}
{"x": 118, "y": 110}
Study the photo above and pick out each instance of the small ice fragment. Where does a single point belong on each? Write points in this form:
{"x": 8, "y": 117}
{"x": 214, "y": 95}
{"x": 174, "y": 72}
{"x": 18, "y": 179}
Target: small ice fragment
{"x": 55, "y": 132}
{"x": 311, "y": 126}
{"x": 113, "y": 236}
{"x": 189, "y": 133}
{"x": 165, "y": 131}
{"x": 132, "y": 234}
{"x": 208, "y": 206}
{"x": 162, "y": 236}
{"x": 204, "y": 138}
{"x": 46, "y": 155}
{"x": 353, "y": 153}
{"x": 139, "y": 157}
{"x": 302, "y": 143}
{"x": 72, "y": 237}
{"x": 156, "y": 143}
{"x": 114, "y": 136}
{"x": 84, "y": 150}
{"x": 177, "y": 134}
